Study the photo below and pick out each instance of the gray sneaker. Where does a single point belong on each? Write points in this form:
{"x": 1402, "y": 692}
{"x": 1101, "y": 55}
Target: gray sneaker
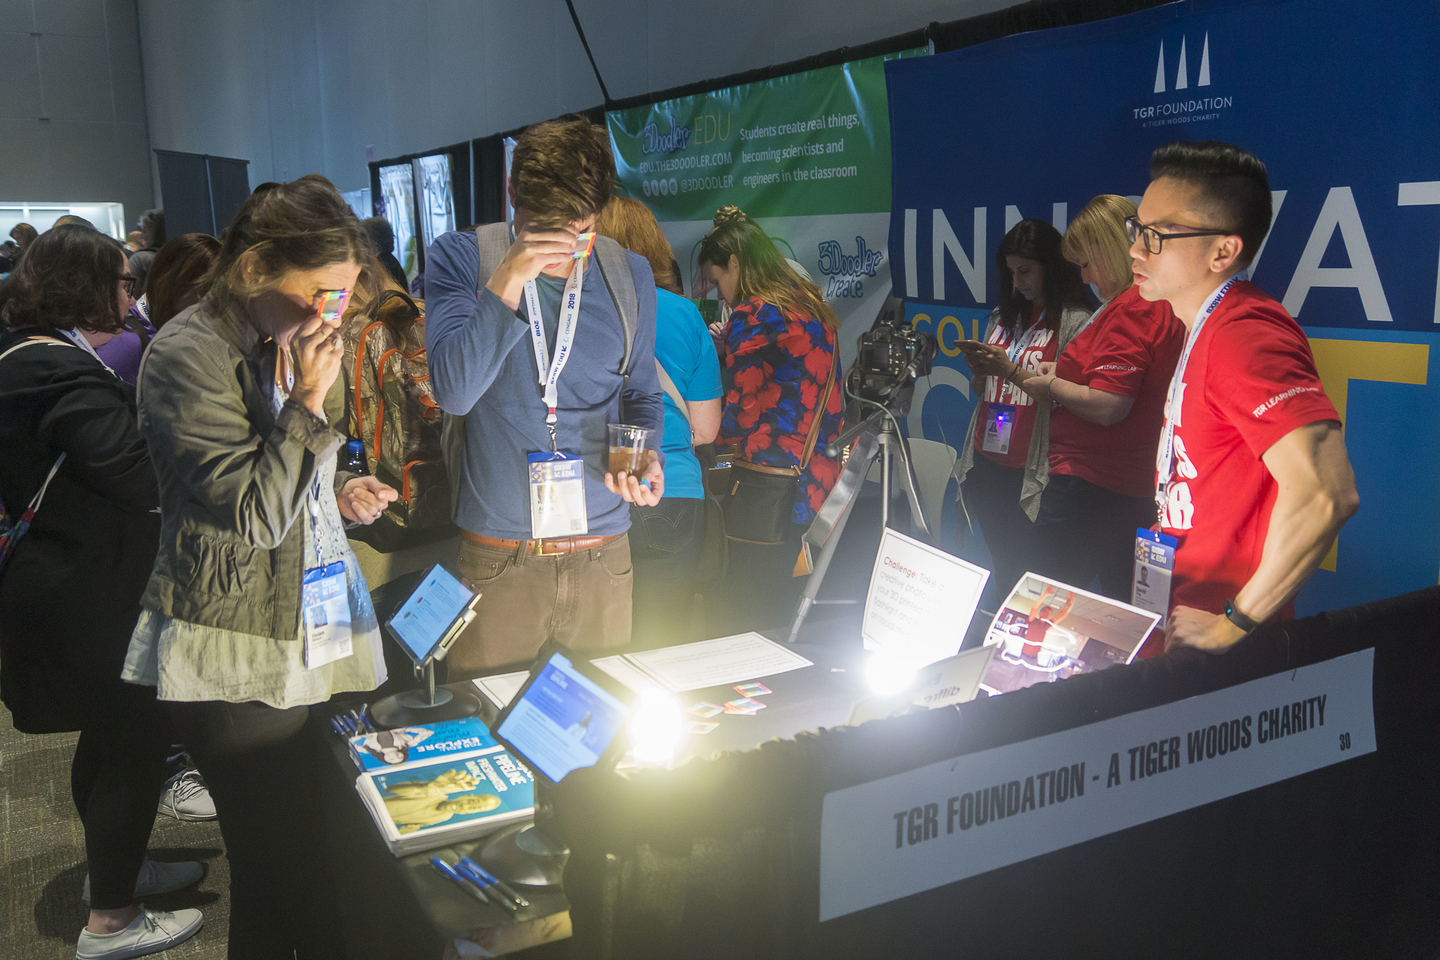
{"x": 150, "y": 932}
{"x": 157, "y": 878}
{"x": 187, "y": 798}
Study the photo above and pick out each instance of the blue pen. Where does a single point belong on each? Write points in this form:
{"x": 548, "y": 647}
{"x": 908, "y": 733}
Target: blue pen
{"x": 492, "y": 880}
{"x": 337, "y": 726}
{"x": 450, "y": 873}
{"x": 470, "y": 869}
{"x": 359, "y": 722}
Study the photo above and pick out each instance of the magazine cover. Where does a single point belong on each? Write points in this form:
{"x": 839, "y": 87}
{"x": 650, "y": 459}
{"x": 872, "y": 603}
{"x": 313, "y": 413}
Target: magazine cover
{"x": 422, "y": 743}
{"x": 1047, "y": 631}
{"x": 426, "y": 805}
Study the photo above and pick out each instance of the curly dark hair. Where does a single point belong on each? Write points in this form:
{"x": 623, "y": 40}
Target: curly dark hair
{"x": 67, "y": 279}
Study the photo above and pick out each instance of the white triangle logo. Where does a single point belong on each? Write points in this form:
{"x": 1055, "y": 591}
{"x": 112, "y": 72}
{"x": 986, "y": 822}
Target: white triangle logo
{"x": 1182, "y": 79}
{"x": 1160, "y": 70}
{"x": 1204, "y": 80}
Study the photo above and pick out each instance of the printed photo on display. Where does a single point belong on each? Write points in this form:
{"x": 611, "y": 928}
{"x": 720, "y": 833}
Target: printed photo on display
{"x": 1047, "y": 631}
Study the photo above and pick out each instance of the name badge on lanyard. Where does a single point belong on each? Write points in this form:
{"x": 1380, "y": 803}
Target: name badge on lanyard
{"x": 999, "y": 424}
{"x": 324, "y": 602}
{"x": 1154, "y": 566}
{"x": 557, "y": 496}
{"x": 556, "y": 478}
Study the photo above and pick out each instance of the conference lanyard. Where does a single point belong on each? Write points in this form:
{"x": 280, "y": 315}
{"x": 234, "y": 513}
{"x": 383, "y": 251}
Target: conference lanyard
{"x": 1165, "y": 456}
{"x": 549, "y": 368}
{"x": 1021, "y": 344}
{"x": 83, "y": 344}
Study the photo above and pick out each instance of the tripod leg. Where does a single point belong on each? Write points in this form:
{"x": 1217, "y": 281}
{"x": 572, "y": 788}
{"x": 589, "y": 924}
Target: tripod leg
{"x": 817, "y": 576}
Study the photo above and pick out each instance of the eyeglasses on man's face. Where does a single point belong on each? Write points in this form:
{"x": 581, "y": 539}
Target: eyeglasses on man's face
{"x": 132, "y": 284}
{"x": 1153, "y": 240}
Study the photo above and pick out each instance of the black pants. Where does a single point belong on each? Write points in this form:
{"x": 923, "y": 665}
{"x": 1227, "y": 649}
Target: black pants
{"x": 115, "y": 780}
{"x": 992, "y": 498}
{"x": 665, "y": 545}
{"x": 1086, "y": 531}
{"x": 260, "y": 764}
{"x": 759, "y": 591}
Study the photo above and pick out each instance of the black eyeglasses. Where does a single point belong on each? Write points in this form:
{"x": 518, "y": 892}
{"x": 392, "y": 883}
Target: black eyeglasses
{"x": 1154, "y": 239}
{"x": 131, "y": 283}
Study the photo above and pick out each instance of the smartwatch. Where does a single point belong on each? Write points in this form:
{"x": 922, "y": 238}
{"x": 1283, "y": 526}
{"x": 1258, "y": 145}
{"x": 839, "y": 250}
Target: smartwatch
{"x": 1233, "y": 614}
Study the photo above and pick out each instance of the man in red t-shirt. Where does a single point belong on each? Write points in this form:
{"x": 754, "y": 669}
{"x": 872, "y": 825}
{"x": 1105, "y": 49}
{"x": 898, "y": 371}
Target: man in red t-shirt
{"x": 1254, "y": 482}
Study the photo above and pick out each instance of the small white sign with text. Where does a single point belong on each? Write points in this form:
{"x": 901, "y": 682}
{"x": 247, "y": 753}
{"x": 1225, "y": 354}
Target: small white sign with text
{"x": 959, "y": 818}
{"x": 921, "y": 600}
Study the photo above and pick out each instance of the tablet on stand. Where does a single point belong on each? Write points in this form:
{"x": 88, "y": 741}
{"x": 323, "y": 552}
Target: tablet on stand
{"x": 568, "y": 715}
{"x": 429, "y": 621}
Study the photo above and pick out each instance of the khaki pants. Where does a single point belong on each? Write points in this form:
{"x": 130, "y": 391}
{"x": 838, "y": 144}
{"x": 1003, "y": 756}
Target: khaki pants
{"x": 580, "y": 599}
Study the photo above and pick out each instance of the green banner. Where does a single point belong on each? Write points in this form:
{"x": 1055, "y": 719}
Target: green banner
{"x": 807, "y": 144}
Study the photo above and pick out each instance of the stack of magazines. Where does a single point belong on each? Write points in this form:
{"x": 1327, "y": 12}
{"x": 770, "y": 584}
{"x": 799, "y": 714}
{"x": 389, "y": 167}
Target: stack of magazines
{"x": 435, "y": 784}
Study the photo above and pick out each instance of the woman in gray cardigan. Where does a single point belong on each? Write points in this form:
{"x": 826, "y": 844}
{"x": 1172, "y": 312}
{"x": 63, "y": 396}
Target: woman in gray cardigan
{"x": 256, "y": 608}
{"x": 1005, "y": 461}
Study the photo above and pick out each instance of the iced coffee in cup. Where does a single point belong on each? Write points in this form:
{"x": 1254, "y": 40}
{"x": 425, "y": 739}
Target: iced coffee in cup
{"x": 630, "y": 449}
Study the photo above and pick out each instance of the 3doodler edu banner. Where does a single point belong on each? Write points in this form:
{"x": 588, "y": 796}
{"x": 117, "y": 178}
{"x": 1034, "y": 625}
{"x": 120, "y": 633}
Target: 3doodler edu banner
{"x": 1339, "y": 100}
{"x": 807, "y": 155}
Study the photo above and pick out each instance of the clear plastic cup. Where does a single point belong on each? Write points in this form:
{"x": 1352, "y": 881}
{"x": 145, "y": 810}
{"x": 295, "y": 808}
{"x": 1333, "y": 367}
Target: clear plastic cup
{"x": 630, "y": 449}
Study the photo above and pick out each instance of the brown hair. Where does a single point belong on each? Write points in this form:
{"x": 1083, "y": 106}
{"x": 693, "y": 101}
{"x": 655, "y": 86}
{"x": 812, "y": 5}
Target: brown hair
{"x": 630, "y": 223}
{"x": 68, "y": 279}
{"x": 563, "y": 171}
{"x": 173, "y": 282}
{"x": 1097, "y": 235}
{"x": 301, "y": 225}
{"x": 764, "y": 274}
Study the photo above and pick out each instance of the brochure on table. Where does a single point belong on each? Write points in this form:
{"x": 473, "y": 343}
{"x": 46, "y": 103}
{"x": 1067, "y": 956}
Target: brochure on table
{"x": 921, "y": 600}
{"x": 1047, "y": 631}
{"x": 687, "y": 666}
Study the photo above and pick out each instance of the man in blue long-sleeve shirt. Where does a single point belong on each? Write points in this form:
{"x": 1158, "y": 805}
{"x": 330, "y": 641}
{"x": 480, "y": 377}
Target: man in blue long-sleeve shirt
{"x": 483, "y": 364}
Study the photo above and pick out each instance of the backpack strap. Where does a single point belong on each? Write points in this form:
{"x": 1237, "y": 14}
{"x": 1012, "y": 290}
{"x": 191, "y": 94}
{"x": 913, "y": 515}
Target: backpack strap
{"x": 614, "y": 266}
{"x": 494, "y": 240}
{"x": 33, "y": 341}
{"x": 673, "y": 392}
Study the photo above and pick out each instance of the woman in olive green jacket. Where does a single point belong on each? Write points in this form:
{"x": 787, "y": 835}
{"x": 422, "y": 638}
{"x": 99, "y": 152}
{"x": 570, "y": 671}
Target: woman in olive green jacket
{"x": 256, "y": 607}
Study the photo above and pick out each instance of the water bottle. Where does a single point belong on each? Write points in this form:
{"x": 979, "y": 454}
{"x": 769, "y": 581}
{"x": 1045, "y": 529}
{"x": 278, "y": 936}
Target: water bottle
{"x": 355, "y": 458}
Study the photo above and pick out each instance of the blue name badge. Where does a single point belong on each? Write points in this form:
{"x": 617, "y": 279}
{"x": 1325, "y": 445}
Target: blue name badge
{"x": 557, "y": 496}
{"x": 325, "y": 610}
{"x": 1154, "y": 566}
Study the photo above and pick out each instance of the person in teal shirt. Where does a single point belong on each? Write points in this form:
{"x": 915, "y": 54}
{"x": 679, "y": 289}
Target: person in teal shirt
{"x": 666, "y": 539}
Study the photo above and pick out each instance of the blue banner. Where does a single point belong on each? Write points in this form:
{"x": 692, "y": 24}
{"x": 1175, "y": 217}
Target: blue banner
{"x": 1340, "y": 101}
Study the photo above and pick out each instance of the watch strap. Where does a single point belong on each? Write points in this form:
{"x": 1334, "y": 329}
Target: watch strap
{"x": 1233, "y": 614}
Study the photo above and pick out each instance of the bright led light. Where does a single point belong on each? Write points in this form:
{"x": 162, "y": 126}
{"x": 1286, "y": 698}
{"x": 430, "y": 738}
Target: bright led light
{"x": 655, "y": 727}
{"x": 889, "y": 673}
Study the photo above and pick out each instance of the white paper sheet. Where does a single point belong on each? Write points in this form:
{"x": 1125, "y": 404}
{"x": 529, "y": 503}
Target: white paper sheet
{"x": 719, "y": 662}
{"x": 501, "y": 688}
{"x": 627, "y": 673}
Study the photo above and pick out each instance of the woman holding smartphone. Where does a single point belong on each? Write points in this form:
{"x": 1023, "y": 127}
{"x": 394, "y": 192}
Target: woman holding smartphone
{"x": 1107, "y": 398}
{"x": 1005, "y": 462}
{"x": 256, "y": 608}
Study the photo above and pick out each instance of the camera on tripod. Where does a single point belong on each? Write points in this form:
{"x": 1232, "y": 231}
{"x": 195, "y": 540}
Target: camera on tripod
{"x": 891, "y": 355}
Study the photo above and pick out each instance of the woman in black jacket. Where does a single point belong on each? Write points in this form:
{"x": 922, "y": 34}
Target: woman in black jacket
{"x": 70, "y": 592}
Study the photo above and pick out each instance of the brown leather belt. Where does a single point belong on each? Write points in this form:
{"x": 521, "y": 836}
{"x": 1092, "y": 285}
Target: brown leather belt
{"x": 541, "y": 548}
{"x": 765, "y": 468}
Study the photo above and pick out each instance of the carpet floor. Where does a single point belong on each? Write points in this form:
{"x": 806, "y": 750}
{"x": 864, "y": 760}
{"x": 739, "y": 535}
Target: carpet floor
{"x": 42, "y": 857}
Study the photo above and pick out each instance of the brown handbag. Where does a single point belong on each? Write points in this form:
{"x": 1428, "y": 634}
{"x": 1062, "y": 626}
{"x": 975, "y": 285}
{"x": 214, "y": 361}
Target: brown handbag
{"x": 761, "y": 504}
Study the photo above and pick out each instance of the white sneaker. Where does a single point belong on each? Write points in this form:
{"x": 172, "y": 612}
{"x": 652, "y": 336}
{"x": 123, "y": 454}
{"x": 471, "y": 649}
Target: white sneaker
{"x": 157, "y": 878}
{"x": 150, "y": 932}
{"x": 187, "y": 798}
